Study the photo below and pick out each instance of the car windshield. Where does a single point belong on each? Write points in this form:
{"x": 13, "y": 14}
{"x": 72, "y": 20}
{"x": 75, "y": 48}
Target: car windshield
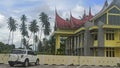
{"x": 18, "y": 52}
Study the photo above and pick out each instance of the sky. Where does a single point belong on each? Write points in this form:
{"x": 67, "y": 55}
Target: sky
{"x": 32, "y": 9}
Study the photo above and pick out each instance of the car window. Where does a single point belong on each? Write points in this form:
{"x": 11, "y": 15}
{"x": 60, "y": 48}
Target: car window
{"x": 18, "y": 52}
{"x": 30, "y": 53}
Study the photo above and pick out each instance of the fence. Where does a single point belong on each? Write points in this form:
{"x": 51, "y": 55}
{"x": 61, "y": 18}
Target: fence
{"x": 71, "y": 60}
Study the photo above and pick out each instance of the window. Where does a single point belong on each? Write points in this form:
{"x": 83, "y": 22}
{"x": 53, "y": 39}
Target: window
{"x": 95, "y": 36}
{"x": 107, "y": 53}
{"x": 110, "y": 35}
{"x": 114, "y": 20}
{"x": 110, "y": 52}
{"x": 79, "y": 39}
{"x": 30, "y": 53}
{"x": 18, "y": 52}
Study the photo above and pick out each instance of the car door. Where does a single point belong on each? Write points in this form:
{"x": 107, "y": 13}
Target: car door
{"x": 33, "y": 57}
{"x": 30, "y": 56}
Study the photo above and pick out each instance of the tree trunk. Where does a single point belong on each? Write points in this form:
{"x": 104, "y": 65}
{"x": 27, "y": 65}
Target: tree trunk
{"x": 33, "y": 41}
{"x": 21, "y": 41}
{"x": 9, "y": 37}
{"x": 12, "y": 37}
{"x": 40, "y": 33}
{"x": 29, "y": 37}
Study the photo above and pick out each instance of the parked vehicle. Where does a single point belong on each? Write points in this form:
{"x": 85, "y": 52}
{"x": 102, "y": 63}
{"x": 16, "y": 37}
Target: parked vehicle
{"x": 23, "y": 56}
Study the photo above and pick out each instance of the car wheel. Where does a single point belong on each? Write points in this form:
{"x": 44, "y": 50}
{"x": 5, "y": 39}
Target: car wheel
{"x": 26, "y": 63}
{"x": 11, "y": 64}
{"x": 37, "y": 62}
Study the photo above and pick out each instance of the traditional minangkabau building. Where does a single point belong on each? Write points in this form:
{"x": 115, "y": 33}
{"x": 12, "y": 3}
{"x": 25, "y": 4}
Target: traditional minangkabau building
{"x": 97, "y": 35}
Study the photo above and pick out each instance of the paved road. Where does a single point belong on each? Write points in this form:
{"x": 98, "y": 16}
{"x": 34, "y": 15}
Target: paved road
{"x": 38, "y": 66}
{"x": 51, "y": 66}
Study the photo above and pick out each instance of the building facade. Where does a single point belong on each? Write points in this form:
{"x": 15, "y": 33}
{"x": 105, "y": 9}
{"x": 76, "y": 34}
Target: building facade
{"x": 97, "y": 35}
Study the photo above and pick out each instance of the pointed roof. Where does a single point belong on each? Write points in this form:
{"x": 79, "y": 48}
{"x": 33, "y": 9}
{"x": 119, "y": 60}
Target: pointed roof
{"x": 105, "y": 5}
{"x": 61, "y": 23}
{"x": 84, "y": 15}
{"x": 105, "y": 8}
{"x": 75, "y": 22}
{"x": 115, "y": 2}
{"x": 90, "y": 14}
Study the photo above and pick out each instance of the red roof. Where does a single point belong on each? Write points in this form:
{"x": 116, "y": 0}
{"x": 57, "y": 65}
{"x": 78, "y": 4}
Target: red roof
{"x": 73, "y": 23}
{"x": 61, "y": 23}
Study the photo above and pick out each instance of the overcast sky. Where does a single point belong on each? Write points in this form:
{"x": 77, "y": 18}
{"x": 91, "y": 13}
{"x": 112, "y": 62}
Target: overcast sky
{"x": 32, "y": 9}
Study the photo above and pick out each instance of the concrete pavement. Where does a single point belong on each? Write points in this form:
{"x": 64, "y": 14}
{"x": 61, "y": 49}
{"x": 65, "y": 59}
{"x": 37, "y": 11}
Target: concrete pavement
{"x": 52, "y": 66}
{"x": 38, "y": 66}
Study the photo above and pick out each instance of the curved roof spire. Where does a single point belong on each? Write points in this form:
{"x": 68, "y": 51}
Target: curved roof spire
{"x": 75, "y": 23}
{"x": 55, "y": 27}
{"x": 105, "y": 5}
{"x": 60, "y": 22}
{"x": 90, "y": 14}
{"x": 84, "y": 15}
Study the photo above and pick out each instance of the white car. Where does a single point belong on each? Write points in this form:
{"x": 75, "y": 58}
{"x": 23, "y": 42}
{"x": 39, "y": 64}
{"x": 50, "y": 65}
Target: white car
{"x": 23, "y": 56}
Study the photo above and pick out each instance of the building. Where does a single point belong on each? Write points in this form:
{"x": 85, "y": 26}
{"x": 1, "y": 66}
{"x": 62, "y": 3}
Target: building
{"x": 97, "y": 35}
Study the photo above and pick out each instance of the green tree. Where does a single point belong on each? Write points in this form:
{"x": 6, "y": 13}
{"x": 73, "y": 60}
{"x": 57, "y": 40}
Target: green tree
{"x": 6, "y": 48}
{"x": 45, "y": 43}
{"x": 12, "y": 28}
{"x": 52, "y": 44}
{"x": 45, "y": 23}
{"x": 24, "y": 42}
{"x": 39, "y": 46}
{"x": 34, "y": 28}
{"x": 23, "y": 29}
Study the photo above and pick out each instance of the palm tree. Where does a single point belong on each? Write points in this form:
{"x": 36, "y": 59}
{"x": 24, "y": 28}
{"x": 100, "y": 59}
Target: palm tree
{"x": 52, "y": 44}
{"x": 12, "y": 27}
{"x": 34, "y": 28}
{"x": 24, "y": 42}
{"x": 45, "y": 23}
{"x": 23, "y": 29}
{"x": 39, "y": 48}
{"x": 9, "y": 26}
{"x": 36, "y": 41}
{"x": 45, "y": 42}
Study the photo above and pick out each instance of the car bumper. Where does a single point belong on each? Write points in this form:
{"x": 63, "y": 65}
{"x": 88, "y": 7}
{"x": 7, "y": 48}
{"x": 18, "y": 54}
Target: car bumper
{"x": 16, "y": 62}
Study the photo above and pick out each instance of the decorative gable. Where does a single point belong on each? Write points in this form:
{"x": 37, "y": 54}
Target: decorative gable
{"x": 114, "y": 10}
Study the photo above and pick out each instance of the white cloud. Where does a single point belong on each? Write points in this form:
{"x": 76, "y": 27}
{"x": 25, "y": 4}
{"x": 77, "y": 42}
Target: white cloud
{"x": 2, "y": 20}
{"x": 4, "y": 34}
{"x": 78, "y": 10}
{"x": 96, "y": 9}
